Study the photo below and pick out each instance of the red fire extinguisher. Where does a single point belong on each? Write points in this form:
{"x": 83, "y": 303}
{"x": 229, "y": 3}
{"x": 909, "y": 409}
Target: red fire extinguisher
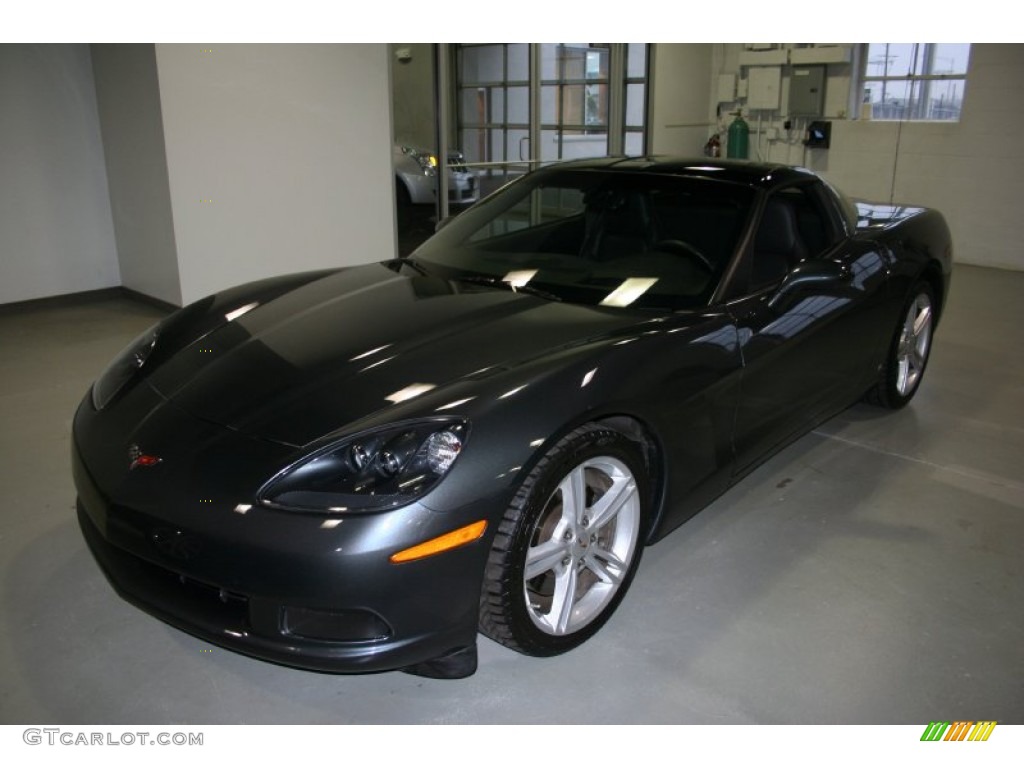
{"x": 714, "y": 146}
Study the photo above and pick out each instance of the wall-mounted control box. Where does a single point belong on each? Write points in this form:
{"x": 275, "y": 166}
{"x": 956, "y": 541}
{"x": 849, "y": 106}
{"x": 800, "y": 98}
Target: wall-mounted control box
{"x": 807, "y": 91}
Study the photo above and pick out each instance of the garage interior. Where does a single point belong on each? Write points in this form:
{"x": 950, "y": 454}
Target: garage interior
{"x": 868, "y": 573}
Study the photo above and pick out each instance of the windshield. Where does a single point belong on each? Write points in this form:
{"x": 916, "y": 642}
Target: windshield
{"x": 597, "y": 237}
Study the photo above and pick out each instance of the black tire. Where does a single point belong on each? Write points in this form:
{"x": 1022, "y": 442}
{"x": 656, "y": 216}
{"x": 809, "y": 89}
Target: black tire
{"x": 907, "y": 356}
{"x": 591, "y": 561}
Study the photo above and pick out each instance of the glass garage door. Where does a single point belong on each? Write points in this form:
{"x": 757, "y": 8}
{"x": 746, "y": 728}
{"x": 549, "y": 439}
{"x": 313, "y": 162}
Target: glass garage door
{"x": 590, "y": 100}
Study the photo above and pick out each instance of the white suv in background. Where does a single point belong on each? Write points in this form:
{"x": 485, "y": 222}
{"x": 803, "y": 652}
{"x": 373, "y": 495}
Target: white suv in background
{"x": 416, "y": 176}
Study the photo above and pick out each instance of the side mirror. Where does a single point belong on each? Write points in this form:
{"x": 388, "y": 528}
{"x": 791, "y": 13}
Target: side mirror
{"x": 810, "y": 273}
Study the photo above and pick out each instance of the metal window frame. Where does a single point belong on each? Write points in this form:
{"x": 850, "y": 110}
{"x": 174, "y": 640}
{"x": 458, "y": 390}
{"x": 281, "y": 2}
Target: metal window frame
{"x": 919, "y": 96}
{"x": 617, "y": 81}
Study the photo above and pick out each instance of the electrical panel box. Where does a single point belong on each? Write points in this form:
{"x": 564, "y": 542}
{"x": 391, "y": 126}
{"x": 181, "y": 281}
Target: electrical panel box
{"x": 807, "y": 91}
{"x": 764, "y": 86}
{"x": 726, "y": 88}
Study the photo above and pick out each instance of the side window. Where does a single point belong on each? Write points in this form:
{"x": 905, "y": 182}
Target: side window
{"x": 794, "y": 227}
{"x": 818, "y": 223}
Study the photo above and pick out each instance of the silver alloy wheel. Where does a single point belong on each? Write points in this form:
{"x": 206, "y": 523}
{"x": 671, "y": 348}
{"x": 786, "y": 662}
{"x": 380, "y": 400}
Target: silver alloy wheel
{"x": 915, "y": 341}
{"x": 582, "y": 545}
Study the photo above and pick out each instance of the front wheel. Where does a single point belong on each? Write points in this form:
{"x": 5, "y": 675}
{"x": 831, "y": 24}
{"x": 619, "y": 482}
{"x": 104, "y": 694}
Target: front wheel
{"x": 901, "y": 373}
{"x": 568, "y": 546}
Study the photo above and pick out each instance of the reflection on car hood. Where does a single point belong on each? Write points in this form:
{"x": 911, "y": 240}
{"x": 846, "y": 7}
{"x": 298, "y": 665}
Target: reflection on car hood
{"x": 336, "y": 350}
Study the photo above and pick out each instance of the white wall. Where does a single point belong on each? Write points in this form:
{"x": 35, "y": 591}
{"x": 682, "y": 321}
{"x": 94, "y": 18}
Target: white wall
{"x": 681, "y": 82}
{"x": 279, "y": 159}
{"x": 56, "y": 234}
{"x": 969, "y": 170}
{"x": 128, "y": 97}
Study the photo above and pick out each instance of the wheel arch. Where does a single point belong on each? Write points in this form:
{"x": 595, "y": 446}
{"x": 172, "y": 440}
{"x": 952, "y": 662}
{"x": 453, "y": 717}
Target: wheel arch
{"x": 933, "y": 275}
{"x": 641, "y": 433}
{"x": 637, "y": 430}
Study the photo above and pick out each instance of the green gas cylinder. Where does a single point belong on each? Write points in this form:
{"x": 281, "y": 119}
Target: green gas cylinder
{"x": 739, "y": 138}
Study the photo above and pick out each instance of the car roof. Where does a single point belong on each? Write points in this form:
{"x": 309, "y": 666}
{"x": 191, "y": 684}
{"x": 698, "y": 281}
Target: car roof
{"x": 738, "y": 171}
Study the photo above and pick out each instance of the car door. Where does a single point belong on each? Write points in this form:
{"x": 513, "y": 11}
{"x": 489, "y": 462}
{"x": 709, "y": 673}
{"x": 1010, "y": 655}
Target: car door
{"x": 804, "y": 295}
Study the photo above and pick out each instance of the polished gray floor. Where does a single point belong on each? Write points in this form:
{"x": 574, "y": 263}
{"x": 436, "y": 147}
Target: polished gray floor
{"x": 870, "y": 573}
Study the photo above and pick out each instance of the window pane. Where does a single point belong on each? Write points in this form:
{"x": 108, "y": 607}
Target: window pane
{"x": 519, "y": 61}
{"x": 549, "y": 149}
{"x": 636, "y": 60}
{"x": 572, "y": 62}
{"x": 519, "y": 105}
{"x": 549, "y": 104}
{"x": 481, "y": 64}
{"x": 634, "y": 143}
{"x": 944, "y": 99}
{"x": 589, "y": 144}
{"x": 597, "y": 64}
{"x": 473, "y": 144}
{"x": 472, "y": 106}
{"x": 635, "y": 105}
{"x": 518, "y": 144}
{"x": 950, "y": 58}
{"x": 497, "y": 148}
{"x": 890, "y": 59}
{"x": 497, "y": 104}
{"x": 548, "y": 61}
{"x": 572, "y": 110}
{"x": 890, "y": 99}
{"x": 597, "y": 105}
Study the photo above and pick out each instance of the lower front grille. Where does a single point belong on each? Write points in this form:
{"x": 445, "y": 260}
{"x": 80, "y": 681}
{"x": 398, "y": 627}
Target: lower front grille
{"x": 163, "y": 591}
{"x": 338, "y": 626}
{"x": 195, "y": 604}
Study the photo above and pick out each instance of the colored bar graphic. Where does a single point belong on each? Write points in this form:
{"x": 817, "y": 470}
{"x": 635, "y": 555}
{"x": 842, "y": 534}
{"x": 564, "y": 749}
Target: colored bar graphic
{"x": 982, "y": 730}
{"x": 959, "y": 730}
{"x": 934, "y": 731}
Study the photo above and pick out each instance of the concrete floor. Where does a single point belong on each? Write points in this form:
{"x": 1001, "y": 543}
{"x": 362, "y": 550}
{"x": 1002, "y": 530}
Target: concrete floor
{"x": 870, "y": 573}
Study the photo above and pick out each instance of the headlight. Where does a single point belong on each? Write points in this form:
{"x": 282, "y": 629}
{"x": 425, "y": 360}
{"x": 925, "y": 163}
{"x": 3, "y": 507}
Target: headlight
{"x": 382, "y": 469}
{"x": 426, "y": 161}
{"x": 123, "y": 368}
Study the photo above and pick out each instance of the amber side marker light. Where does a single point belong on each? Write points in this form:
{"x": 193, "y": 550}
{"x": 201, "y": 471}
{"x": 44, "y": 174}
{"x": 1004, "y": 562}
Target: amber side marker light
{"x": 443, "y": 543}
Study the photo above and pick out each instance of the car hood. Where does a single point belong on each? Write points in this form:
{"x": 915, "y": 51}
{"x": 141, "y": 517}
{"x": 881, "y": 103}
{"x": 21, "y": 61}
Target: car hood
{"x": 360, "y": 340}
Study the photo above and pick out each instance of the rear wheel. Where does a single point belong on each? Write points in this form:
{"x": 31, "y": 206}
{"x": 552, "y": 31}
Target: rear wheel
{"x": 568, "y": 546}
{"x": 907, "y": 358}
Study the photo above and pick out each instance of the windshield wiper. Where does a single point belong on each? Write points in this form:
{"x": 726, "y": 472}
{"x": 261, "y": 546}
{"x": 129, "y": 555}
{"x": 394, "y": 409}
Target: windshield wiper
{"x": 414, "y": 264}
{"x": 496, "y": 282}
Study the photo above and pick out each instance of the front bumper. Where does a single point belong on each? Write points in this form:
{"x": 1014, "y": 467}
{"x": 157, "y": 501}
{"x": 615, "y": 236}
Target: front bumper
{"x": 303, "y": 590}
{"x": 463, "y": 187}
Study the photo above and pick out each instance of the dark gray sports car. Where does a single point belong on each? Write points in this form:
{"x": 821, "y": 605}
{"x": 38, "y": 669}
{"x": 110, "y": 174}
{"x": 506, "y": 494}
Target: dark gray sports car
{"x": 359, "y": 469}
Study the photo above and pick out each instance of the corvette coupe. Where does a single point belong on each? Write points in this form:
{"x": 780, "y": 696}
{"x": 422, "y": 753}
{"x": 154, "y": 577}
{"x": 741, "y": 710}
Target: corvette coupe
{"x": 360, "y": 469}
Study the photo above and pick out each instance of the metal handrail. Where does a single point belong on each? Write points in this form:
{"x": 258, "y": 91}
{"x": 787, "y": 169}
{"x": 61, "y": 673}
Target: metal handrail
{"x": 494, "y": 163}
